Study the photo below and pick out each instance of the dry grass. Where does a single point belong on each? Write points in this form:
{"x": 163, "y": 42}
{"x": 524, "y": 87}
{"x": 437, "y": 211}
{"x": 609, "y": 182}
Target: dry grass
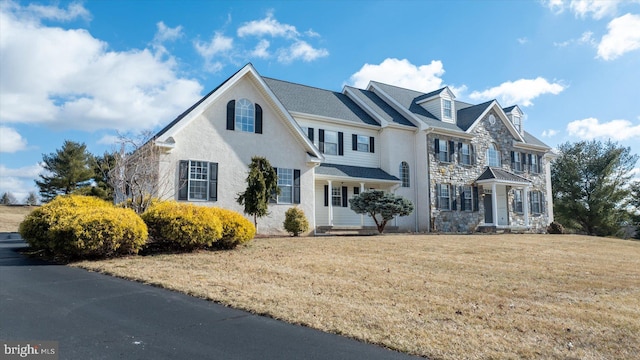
{"x": 12, "y": 215}
{"x": 443, "y": 297}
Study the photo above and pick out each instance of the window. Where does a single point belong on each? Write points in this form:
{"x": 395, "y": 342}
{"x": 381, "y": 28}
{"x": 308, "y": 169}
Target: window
{"x": 533, "y": 162}
{"x": 285, "y": 183}
{"x": 245, "y": 116}
{"x": 517, "y": 201}
{"x": 443, "y": 197}
{"x": 404, "y": 174}
{"x": 517, "y": 122}
{"x": 198, "y": 180}
{"x": 516, "y": 161}
{"x": 466, "y": 153}
{"x": 536, "y": 202}
{"x": 331, "y": 142}
{"x": 444, "y": 150}
{"x": 467, "y": 198}
{"x": 336, "y": 196}
{"x": 446, "y": 106}
{"x": 493, "y": 156}
{"x": 361, "y": 143}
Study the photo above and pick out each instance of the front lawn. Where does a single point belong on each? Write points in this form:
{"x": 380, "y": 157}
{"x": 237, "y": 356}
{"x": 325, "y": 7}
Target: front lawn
{"x": 440, "y": 296}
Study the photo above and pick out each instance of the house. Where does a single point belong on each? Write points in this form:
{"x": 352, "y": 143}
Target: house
{"x": 465, "y": 167}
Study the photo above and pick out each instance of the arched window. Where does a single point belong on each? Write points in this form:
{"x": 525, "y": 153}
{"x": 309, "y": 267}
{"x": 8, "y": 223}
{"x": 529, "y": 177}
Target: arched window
{"x": 493, "y": 155}
{"x": 404, "y": 174}
{"x": 245, "y": 115}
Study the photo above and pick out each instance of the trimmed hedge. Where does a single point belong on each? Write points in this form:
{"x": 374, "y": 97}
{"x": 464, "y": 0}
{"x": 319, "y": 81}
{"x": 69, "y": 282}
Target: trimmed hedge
{"x": 236, "y": 229}
{"x": 180, "y": 226}
{"x": 295, "y": 222}
{"x": 84, "y": 226}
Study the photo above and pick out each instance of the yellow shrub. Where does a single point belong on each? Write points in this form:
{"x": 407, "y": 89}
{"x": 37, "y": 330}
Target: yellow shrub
{"x": 295, "y": 222}
{"x": 236, "y": 229}
{"x": 174, "y": 225}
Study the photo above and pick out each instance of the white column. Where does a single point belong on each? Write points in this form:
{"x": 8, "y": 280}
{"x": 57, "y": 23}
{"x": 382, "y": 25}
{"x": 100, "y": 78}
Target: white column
{"x": 525, "y": 205}
{"x": 361, "y": 215}
{"x": 494, "y": 204}
{"x": 330, "y": 207}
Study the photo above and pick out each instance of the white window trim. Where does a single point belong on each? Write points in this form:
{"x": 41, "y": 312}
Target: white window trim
{"x": 327, "y": 132}
{"x": 202, "y": 165}
{"x": 245, "y": 110}
{"x": 285, "y": 188}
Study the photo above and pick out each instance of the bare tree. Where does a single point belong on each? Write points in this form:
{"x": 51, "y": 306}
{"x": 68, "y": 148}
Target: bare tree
{"x": 135, "y": 175}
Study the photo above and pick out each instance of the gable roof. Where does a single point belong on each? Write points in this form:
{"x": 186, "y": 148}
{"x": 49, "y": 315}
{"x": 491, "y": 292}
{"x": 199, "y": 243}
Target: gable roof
{"x": 468, "y": 115}
{"x": 379, "y": 106}
{"x": 198, "y": 108}
{"x": 315, "y": 101}
{"x": 492, "y": 173}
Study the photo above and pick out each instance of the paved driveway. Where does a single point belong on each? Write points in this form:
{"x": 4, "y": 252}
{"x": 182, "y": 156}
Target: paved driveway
{"x": 95, "y": 316}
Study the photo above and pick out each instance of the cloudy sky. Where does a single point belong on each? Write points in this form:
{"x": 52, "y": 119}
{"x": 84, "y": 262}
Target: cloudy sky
{"x": 88, "y": 71}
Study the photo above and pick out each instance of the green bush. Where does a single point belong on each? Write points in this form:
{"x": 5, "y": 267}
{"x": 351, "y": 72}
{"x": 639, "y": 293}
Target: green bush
{"x": 555, "y": 228}
{"x": 76, "y": 226}
{"x": 295, "y": 222}
{"x": 179, "y": 226}
{"x": 236, "y": 229}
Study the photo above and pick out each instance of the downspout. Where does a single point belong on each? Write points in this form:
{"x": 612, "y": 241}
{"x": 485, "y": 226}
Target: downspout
{"x": 415, "y": 181}
{"x": 428, "y": 180}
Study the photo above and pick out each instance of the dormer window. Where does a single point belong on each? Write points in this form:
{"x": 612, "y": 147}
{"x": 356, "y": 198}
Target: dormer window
{"x": 517, "y": 123}
{"x": 446, "y": 109}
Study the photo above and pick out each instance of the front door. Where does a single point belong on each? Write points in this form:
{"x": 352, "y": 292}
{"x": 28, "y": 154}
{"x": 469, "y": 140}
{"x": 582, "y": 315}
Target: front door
{"x": 488, "y": 209}
{"x": 501, "y": 199}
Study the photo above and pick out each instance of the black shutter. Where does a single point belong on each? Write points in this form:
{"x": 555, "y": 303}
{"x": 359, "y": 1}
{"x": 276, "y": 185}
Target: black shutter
{"x": 345, "y": 202}
{"x": 460, "y": 161}
{"x": 513, "y": 161}
{"x": 530, "y": 203}
{"x": 541, "y": 202}
{"x": 356, "y": 190}
{"x": 475, "y": 199}
{"x": 539, "y": 164}
{"x": 436, "y": 146}
{"x": 326, "y": 195}
{"x": 183, "y": 180}
{"x": 472, "y": 151}
{"x": 340, "y": 143}
{"x": 213, "y": 181}
{"x": 258, "y": 114}
{"x": 296, "y": 186}
{"x": 231, "y": 115}
{"x": 321, "y": 140}
{"x": 452, "y": 148}
{"x": 530, "y": 164}
{"x": 273, "y": 198}
{"x": 371, "y": 143}
{"x": 310, "y": 134}
{"x": 462, "y": 205}
{"x": 354, "y": 142}
{"x": 453, "y": 197}
{"x": 437, "y": 196}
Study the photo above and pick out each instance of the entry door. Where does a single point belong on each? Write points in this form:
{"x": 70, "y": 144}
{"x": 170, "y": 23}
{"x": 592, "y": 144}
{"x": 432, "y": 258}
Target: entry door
{"x": 488, "y": 209}
{"x": 501, "y": 199}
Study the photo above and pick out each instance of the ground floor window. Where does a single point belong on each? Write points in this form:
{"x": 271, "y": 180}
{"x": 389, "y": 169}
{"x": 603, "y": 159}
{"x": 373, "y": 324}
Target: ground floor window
{"x": 198, "y": 180}
{"x": 517, "y": 201}
{"x": 536, "y": 202}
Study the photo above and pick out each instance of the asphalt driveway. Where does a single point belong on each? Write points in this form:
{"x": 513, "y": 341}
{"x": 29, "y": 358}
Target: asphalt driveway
{"x": 94, "y": 316}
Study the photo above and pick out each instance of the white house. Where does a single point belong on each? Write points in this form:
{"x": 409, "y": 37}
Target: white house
{"x": 465, "y": 167}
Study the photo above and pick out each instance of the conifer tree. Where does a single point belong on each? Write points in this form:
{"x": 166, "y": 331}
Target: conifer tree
{"x": 66, "y": 170}
{"x": 262, "y": 185}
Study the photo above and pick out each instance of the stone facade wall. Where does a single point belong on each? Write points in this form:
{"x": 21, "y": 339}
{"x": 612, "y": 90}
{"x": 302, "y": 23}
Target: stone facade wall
{"x": 458, "y": 174}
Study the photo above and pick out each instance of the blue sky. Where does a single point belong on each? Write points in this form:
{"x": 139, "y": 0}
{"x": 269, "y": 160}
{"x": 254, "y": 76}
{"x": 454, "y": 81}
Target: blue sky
{"x": 88, "y": 71}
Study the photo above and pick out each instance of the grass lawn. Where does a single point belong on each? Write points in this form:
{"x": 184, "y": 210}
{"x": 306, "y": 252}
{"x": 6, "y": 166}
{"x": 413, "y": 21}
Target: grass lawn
{"x": 12, "y": 215}
{"x": 440, "y": 296}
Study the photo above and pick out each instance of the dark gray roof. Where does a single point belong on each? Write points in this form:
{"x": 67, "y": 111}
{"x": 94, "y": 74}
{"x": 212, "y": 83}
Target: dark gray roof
{"x": 530, "y": 139}
{"x": 492, "y": 173}
{"x": 381, "y": 108}
{"x": 354, "y": 172}
{"x": 408, "y": 99}
{"x": 468, "y": 115}
{"x": 430, "y": 94}
{"x": 508, "y": 109}
{"x": 310, "y": 100}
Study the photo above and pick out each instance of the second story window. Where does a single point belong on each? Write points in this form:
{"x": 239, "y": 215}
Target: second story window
{"x": 331, "y": 142}
{"x": 466, "y": 154}
{"x": 446, "y": 109}
{"x": 245, "y": 116}
{"x": 516, "y": 161}
{"x": 493, "y": 156}
{"x": 444, "y": 150}
{"x": 404, "y": 174}
{"x": 533, "y": 162}
{"x": 517, "y": 122}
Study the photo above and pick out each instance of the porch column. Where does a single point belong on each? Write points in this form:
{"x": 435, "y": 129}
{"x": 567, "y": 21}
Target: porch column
{"x": 330, "y": 207}
{"x": 494, "y": 204}
{"x": 525, "y": 205}
{"x": 361, "y": 215}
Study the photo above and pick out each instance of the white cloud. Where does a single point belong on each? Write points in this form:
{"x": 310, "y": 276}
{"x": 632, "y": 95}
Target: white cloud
{"x": 585, "y": 38}
{"x": 166, "y": 33}
{"x": 109, "y": 140}
{"x": 549, "y": 133}
{"x": 267, "y": 26}
{"x": 401, "y": 73}
{"x": 523, "y": 40}
{"x": 217, "y": 45}
{"x": 36, "y": 12}
{"x": 12, "y": 141}
{"x": 86, "y": 86}
{"x": 591, "y": 128}
{"x": 597, "y": 9}
{"x": 301, "y": 50}
{"x": 623, "y": 36}
{"x": 520, "y": 92}
{"x": 19, "y": 182}
{"x": 262, "y": 49}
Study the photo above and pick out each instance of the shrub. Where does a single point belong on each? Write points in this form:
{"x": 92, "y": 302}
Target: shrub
{"x": 75, "y": 226}
{"x": 555, "y": 228}
{"x": 174, "y": 225}
{"x": 236, "y": 229}
{"x": 295, "y": 222}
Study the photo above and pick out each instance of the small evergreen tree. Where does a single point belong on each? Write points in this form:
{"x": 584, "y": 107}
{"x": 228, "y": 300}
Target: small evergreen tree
{"x": 67, "y": 169}
{"x": 381, "y": 206}
{"x": 295, "y": 222}
{"x": 7, "y": 199}
{"x": 32, "y": 199}
{"x": 262, "y": 184}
